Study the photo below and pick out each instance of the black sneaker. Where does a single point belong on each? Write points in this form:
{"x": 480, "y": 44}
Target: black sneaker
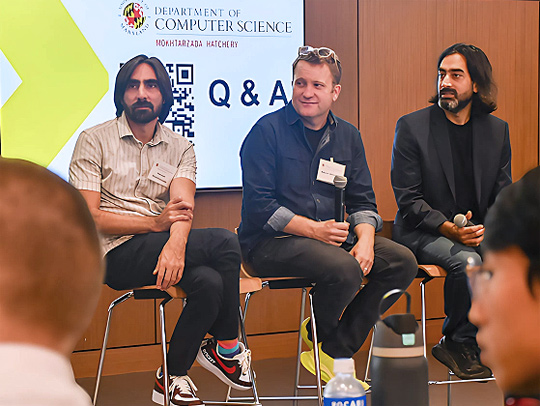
{"x": 461, "y": 358}
{"x": 232, "y": 371}
{"x": 181, "y": 391}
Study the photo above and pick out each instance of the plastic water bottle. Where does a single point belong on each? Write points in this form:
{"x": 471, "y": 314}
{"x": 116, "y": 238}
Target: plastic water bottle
{"x": 344, "y": 389}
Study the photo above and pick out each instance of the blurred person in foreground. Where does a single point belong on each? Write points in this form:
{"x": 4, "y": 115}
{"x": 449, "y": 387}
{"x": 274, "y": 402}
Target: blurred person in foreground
{"x": 506, "y": 292}
{"x": 51, "y": 274}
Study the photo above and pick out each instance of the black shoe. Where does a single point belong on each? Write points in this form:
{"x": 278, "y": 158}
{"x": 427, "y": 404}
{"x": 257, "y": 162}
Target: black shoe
{"x": 232, "y": 371}
{"x": 461, "y": 358}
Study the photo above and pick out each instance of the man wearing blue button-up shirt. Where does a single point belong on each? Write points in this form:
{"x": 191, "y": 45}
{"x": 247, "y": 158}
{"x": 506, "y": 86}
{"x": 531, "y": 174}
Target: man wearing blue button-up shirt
{"x": 289, "y": 159}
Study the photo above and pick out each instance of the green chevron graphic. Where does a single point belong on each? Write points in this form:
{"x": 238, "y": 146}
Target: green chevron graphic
{"x": 62, "y": 79}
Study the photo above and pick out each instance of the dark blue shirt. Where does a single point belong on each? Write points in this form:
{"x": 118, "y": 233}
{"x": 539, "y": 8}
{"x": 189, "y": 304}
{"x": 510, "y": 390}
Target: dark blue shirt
{"x": 279, "y": 172}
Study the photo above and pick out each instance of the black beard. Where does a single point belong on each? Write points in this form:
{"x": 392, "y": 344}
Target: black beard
{"x": 141, "y": 116}
{"x": 454, "y": 105}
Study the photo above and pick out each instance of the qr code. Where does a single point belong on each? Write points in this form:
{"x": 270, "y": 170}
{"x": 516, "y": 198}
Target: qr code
{"x": 182, "y": 116}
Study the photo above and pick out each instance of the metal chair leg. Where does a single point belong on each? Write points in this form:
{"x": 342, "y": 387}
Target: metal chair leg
{"x": 423, "y": 303}
{"x": 242, "y": 315}
{"x": 316, "y": 351}
{"x": 121, "y": 299}
{"x": 366, "y": 376}
{"x": 164, "y": 368}
{"x": 299, "y": 347}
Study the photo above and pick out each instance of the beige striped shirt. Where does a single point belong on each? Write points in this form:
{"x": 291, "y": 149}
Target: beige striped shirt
{"x": 108, "y": 159}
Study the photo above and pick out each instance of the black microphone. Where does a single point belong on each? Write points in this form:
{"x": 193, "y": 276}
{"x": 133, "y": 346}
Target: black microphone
{"x": 461, "y": 221}
{"x": 339, "y": 183}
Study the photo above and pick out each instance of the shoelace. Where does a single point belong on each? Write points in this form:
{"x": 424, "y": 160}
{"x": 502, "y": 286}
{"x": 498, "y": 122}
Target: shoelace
{"x": 184, "y": 383}
{"x": 244, "y": 360}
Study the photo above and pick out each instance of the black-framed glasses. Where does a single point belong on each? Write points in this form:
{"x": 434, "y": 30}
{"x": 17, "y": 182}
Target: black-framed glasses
{"x": 322, "y": 52}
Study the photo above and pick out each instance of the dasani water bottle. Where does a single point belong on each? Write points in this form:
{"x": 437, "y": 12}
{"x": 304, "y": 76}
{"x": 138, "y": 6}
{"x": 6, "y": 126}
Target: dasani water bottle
{"x": 344, "y": 389}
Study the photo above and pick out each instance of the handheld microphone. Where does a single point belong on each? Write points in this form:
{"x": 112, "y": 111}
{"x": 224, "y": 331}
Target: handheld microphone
{"x": 339, "y": 183}
{"x": 461, "y": 221}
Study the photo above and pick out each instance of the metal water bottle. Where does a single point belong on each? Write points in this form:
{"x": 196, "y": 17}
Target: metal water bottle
{"x": 399, "y": 369}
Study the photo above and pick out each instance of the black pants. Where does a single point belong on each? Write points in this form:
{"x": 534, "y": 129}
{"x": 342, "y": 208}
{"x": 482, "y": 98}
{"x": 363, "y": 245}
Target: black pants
{"x": 344, "y": 314}
{"x": 210, "y": 280}
{"x": 452, "y": 256}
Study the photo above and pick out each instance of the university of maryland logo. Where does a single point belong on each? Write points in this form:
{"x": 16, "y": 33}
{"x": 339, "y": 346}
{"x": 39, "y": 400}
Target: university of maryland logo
{"x": 134, "y": 17}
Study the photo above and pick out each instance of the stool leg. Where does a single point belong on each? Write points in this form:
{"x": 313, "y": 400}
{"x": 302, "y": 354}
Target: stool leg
{"x": 164, "y": 369}
{"x": 316, "y": 350}
{"x": 121, "y": 299}
{"x": 448, "y": 393}
{"x": 366, "y": 376}
{"x": 423, "y": 300}
{"x": 242, "y": 315}
{"x": 299, "y": 347}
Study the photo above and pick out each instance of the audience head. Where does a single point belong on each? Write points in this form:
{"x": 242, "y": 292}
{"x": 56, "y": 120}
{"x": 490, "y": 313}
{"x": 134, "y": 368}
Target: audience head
{"x": 51, "y": 269}
{"x": 506, "y": 288}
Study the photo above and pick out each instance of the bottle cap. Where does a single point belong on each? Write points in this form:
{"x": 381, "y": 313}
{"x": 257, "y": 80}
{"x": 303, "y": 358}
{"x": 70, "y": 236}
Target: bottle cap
{"x": 344, "y": 365}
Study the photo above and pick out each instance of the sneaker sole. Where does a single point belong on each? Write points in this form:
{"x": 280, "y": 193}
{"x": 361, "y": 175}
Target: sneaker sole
{"x": 201, "y": 359}
{"x": 441, "y": 356}
{"x": 160, "y": 399}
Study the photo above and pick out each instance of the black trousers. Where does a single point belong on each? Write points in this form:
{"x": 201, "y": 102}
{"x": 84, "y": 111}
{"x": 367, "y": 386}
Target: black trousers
{"x": 344, "y": 314}
{"x": 452, "y": 256}
{"x": 210, "y": 280}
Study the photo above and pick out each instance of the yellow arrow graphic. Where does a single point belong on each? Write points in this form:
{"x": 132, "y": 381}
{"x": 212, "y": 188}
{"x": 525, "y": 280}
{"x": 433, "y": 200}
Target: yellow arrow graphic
{"x": 62, "y": 79}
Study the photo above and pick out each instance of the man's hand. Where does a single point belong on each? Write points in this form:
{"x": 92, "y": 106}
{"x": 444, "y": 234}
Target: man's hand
{"x": 363, "y": 250}
{"x": 471, "y": 236}
{"x": 330, "y": 231}
{"x": 170, "y": 265}
{"x": 176, "y": 210}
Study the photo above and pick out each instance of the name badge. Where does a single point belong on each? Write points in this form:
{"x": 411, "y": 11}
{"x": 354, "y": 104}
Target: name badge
{"x": 329, "y": 169}
{"x": 162, "y": 173}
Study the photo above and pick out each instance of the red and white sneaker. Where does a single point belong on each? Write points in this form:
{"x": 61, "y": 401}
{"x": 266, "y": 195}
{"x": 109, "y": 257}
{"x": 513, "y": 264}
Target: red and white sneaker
{"x": 181, "y": 391}
{"x": 232, "y": 371}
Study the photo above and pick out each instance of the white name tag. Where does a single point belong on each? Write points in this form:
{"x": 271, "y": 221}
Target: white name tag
{"x": 329, "y": 169}
{"x": 162, "y": 173}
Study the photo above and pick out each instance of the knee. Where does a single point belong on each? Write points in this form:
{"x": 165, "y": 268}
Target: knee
{"x": 227, "y": 242}
{"x": 208, "y": 287}
{"x": 346, "y": 272}
{"x": 458, "y": 263}
{"x": 404, "y": 264}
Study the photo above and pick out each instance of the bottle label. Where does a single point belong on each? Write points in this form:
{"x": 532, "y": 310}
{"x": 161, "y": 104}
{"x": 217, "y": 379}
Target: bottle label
{"x": 360, "y": 401}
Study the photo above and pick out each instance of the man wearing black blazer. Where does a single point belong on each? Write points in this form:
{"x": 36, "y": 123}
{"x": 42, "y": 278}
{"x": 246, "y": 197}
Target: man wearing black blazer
{"x": 451, "y": 158}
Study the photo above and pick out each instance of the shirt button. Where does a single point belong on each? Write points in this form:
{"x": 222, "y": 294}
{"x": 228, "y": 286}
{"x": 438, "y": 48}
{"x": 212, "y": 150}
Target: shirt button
{"x": 318, "y": 201}
{"x": 313, "y": 183}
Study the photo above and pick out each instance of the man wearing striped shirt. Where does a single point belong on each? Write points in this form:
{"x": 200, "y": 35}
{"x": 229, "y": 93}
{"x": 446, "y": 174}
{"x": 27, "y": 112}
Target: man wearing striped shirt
{"x": 138, "y": 178}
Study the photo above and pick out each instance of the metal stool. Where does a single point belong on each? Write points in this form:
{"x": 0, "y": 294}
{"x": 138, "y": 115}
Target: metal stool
{"x": 247, "y": 286}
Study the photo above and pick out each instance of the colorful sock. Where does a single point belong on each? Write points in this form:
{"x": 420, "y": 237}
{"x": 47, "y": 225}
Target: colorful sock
{"x": 228, "y": 348}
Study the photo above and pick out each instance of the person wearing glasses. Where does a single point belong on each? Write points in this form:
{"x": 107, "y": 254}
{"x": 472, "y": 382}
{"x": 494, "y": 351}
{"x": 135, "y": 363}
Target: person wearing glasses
{"x": 506, "y": 291}
{"x": 452, "y": 158}
{"x": 289, "y": 160}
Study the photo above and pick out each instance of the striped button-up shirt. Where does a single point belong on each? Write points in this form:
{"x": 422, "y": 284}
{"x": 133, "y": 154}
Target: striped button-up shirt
{"x": 110, "y": 160}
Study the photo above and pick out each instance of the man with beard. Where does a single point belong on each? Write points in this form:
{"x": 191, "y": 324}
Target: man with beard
{"x": 138, "y": 178}
{"x": 451, "y": 158}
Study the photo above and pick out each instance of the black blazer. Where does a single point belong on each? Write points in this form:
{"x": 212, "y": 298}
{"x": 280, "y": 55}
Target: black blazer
{"x": 422, "y": 168}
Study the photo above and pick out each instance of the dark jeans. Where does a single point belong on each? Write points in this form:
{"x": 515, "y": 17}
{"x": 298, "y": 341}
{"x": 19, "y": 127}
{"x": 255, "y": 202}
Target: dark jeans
{"x": 210, "y": 280}
{"x": 344, "y": 314}
{"x": 452, "y": 256}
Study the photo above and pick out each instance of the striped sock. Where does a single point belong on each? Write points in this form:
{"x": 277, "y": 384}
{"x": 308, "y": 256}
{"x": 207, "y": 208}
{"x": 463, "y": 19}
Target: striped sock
{"x": 228, "y": 348}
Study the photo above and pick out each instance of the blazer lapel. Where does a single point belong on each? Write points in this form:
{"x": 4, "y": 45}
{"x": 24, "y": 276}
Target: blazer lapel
{"x": 439, "y": 133}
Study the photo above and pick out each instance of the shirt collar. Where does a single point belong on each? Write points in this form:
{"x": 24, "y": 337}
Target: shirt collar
{"x": 292, "y": 116}
{"x": 125, "y": 131}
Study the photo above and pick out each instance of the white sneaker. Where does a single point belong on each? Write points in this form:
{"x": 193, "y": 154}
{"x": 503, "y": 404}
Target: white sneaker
{"x": 181, "y": 391}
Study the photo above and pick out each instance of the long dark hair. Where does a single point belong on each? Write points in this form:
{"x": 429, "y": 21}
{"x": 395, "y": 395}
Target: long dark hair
{"x": 485, "y": 101}
{"x": 164, "y": 82}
